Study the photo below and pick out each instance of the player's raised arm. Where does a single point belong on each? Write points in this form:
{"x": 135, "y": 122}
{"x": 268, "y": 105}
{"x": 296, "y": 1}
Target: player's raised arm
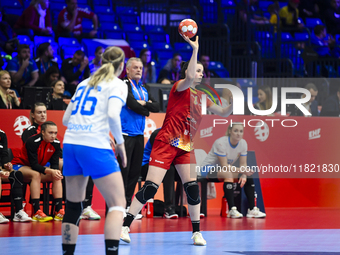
{"x": 223, "y": 112}
{"x": 191, "y": 71}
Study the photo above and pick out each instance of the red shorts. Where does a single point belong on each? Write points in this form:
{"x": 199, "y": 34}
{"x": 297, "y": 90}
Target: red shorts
{"x": 163, "y": 154}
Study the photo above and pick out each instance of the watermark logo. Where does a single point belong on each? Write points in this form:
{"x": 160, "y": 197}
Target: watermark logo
{"x": 314, "y": 134}
{"x": 238, "y": 100}
{"x": 261, "y": 131}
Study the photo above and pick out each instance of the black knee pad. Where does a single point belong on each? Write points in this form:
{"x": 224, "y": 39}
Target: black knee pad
{"x": 73, "y": 212}
{"x": 16, "y": 179}
{"x": 148, "y": 191}
{"x": 193, "y": 192}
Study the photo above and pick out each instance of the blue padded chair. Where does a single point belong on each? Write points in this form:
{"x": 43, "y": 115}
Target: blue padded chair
{"x": 57, "y": 6}
{"x": 100, "y": 9}
{"x": 68, "y": 51}
{"x": 13, "y": 11}
{"x": 24, "y": 39}
{"x": 11, "y": 4}
{"x": 129, "y": 19}
{"x": 158, "y": 37}
{"x": 301, "y": 37}
{"x": 154, "y": 29}
{"x": 264, "y": 5}
{"x": 312, "y": 22}
{"x": 114, "y": 35}
{"x": 43, "y": 39}
{"x": 109, "y": 18}
{"x": 68, "y": 42}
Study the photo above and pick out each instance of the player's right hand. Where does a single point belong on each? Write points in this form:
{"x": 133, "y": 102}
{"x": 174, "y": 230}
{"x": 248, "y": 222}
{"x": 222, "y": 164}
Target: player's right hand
{"x": 56, "y": 174}
{"x": 120, "y": 150}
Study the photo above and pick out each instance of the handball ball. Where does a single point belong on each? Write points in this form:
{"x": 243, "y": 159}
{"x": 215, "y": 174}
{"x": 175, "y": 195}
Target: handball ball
{"x": 188, "y": 27}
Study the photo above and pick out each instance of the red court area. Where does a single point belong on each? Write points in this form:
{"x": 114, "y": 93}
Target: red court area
{"x": 277, "y": 218}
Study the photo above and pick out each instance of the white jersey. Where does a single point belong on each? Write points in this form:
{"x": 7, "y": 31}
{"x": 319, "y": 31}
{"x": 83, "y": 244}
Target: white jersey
{"x": 88, "y": 124}
{"x": 223, "y": 148}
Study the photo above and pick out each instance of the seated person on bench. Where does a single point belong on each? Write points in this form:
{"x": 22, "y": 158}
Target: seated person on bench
{"x": 219, "y": 164}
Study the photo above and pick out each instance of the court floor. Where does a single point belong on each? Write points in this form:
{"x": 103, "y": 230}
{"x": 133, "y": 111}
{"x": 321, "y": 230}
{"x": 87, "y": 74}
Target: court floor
{"x": 284, "y": 231}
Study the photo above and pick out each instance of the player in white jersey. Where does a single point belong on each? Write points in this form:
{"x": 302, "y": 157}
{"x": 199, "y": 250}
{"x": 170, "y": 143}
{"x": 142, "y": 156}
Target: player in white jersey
{"x": 93, "y": 112}
{"x": 219, "y": 162}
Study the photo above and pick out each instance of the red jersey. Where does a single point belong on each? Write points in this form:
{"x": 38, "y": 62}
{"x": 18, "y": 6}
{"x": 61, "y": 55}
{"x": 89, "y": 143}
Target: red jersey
{"x": 183, "y": 117}
{"x": 36, "y": 153}
{"x": 64, "y": 18}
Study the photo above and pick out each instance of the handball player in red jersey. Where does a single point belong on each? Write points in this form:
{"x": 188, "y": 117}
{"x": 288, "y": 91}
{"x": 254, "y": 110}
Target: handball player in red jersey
{"x": 173, "y": 143}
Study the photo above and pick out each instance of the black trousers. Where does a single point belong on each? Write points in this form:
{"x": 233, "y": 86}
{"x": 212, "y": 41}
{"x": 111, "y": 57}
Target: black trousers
{"x": 134, "y": 146}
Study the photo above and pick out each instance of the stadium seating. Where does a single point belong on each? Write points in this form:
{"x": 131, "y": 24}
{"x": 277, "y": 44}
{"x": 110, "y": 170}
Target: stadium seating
{"x": 312, "y": 22}
{"x": 43, "y": 39}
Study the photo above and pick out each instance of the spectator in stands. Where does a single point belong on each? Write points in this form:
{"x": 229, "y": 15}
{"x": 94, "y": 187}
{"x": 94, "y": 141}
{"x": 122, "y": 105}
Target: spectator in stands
{"x": 22, "y": 68}
{"x": 312, "y": 104}
{"x": 97, "y": 61}
{"x": 149, "y": 70}
{"x": 289, "y": 16}
{"x": 324, "y": 44}
{"x": 273, "y": 10}
{"x": 36, "y": 17}
{"x": 172, "y": 70}
{"x": 70, "y": 19}
{"x": 38, "y": 150}
{"x": 15, "y": 178}
{"x": 45, "y": 58}
{"x": 265, "y": 98}
{"x": 207, "y": 74}
{"x": 225, "y": 152}
{"x": 58, "y": 89}
{"x": 139, "y": 104}
{"x": 332, "y": 17}
{"x": 45, "y": 80}
{"x": 252, "y": 9}
{"x": 226, "y": 97}
{"x": 75, "y": 70}
{"x": 331, "y": 106}
{"x": 8, "y": 42}
{"x": 168, "y": 181}
{"x": 9, "y": 99}
{"x": 58, "y": 95}
{"x": 165, "y": 81}
{"x": 309, "y": 9}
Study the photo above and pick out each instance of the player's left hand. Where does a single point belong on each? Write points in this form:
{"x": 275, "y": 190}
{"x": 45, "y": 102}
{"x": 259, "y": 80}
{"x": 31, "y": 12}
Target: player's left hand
{"x": 193, "y": 44}
{"x": 242, "y": 180}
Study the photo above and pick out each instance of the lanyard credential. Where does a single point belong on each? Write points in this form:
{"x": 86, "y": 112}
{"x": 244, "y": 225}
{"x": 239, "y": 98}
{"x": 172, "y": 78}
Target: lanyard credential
{"x": 140, "y": 98}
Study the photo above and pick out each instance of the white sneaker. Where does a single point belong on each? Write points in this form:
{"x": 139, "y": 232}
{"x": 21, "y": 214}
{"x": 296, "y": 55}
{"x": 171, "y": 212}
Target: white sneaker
{"x": 139, "y": 216}
{"x": 22, "y": 216}
{"x": 3, "y": 219}
{"x": 255, "y": 213}
{"x": 124, "y": 235}
{"x": 198, "y": 239}
{"x": 233, "y": 213}
{"x": 89, "y": 214}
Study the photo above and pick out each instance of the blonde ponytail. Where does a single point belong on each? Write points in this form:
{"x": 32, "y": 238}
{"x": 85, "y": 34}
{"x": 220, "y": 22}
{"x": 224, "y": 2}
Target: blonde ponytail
{"x": 111, "y": 58}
